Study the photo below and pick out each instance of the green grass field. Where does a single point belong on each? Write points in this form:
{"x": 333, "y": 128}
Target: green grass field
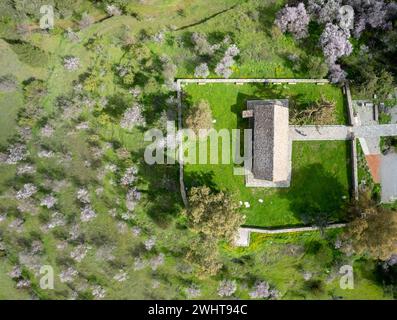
{"x": 284, "y": 258}
{"x": 320, "y": 170}
{"x": 320, "y": 178}
{"x": 10, "y": 104}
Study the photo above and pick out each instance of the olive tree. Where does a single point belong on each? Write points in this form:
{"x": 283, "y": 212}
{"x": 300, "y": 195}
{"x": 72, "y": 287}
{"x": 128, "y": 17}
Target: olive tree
{"x": 373, "y": 231}
{"x": 213, "y": 214}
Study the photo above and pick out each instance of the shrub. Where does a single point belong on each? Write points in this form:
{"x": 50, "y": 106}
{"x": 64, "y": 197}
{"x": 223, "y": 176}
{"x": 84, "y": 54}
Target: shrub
{"x": 316, "y": 67}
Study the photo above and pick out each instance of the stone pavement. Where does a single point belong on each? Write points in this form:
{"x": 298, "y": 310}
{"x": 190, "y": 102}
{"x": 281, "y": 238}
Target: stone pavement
{"x": 311, "y": 132}
{"x": 388, "y": 176}
{"x": 302, "y": 133}
{"x": 380, "y": 130}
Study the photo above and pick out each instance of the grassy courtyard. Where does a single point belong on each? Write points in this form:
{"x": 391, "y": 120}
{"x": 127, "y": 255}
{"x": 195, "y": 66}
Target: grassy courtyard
{"x": 320, "y": 170}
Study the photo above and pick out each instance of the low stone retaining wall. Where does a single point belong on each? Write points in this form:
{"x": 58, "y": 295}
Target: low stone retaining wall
{"x": 294, "y": 229}
{"x": 354, "y": 168}
{"x": 241, "y": 81}
{"x": 180, "y": 151}
{"x": 353, "y": 120}
{"x": 244, "y": 233}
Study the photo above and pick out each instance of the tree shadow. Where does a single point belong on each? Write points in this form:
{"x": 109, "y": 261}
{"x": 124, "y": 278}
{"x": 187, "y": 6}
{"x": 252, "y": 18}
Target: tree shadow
{"x": 264, "y": 92}
{"x": 211, "y": 60}
{"x": 315, "y": 196}
{"x": 386, "y": 275}
{"x": 311, "y": 43}
{"x": 116, "y": 106}
{"x": 154, "y": 104}
{"x": 267, "y": 15}
{"x": 199, "y": 179}
{"x": 161, "y": 189}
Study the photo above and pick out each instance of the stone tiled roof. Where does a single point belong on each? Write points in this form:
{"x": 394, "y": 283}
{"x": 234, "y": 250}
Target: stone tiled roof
{"x": 270, "y": 139}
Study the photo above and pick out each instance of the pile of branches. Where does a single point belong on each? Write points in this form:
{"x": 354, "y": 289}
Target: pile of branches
{"x": 321, "y": 112}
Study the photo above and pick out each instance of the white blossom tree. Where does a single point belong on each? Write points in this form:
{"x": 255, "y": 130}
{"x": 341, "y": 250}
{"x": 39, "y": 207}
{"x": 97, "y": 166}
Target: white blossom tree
{"x": 260, "y": 290}
{"x": 294, "y": 20}
{"x": 112, "y": 10}
{"x": 71, "y": 63}
{"x": 129, "y": 176}
{"x": 79, "y": 253}
{"x": 57, "y": 220}
{"x": 193, "y": 292}
{"x": 26, "y": 169}
{"x": 201, "y": 71}
{"x": 324, "y": 10}
{"x": 201, "y": 44}
{"x": 224, "y": 67}
{"x": 132, "y": 117}
{"x": 337, "y": 75}
{"x": 139, "y": 264}
{"x": 87, "y": 214}
{"x": 48, "y": 201}
{"x": 149, "y": 243}
{"x": 132, "y": 198}
{"x": 98, "y": 292}
{"x": 68, "y": 275}
{"x": 83, "y": 196}
{"x": 335, "y": 43}
{"x": 121, "y": 276}
{"x": 226, "y": 288}
{"x": 27, "y": 191}
{"x": 16, "y": 153}
{"x": 156, "y": 261}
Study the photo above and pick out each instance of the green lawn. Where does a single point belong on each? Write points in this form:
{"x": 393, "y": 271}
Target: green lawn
{"x": 320, "y": 170}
